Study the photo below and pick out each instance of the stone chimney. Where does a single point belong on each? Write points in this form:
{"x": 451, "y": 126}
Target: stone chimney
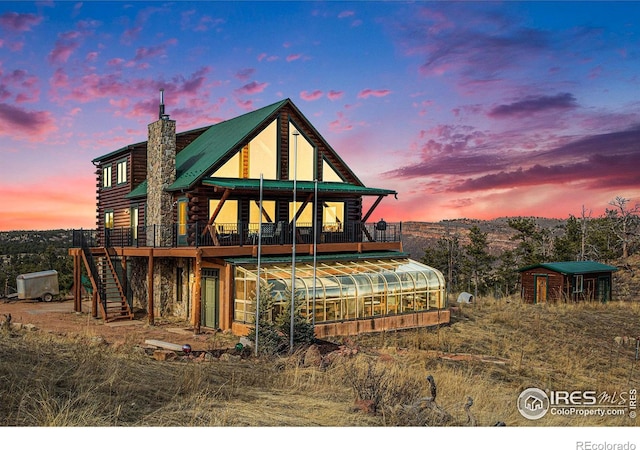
{"x": 161, "y": 173}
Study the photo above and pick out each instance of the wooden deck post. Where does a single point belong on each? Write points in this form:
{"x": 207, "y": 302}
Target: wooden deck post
{"x": 94, "y": 304}
{"x": 77, "y": 283}
{"x": 197, "y": 294}
{"x": 150, "y": 313}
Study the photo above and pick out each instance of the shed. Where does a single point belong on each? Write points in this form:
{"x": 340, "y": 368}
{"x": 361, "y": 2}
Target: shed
{"x": 566, "y": 281}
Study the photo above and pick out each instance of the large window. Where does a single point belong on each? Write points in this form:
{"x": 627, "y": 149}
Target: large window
{"x": 260, "y": 156}
{"x": 301, "y": 161}
{"x": 106, "y": 176}
{"x": 332, "y": 216}
{"x": 122, "y": 171}
{"x": 268, "y": 213}
{"x": 227, "y": 218}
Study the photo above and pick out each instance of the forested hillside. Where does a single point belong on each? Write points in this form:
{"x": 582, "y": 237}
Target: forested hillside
{"x": 474, "y": 255}
{"x": 33, "y": 251}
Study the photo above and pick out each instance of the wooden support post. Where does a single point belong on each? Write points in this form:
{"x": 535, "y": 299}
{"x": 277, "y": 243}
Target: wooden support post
{"x": 150, "y": 313}
{"x": 94, "y": 304}
{"x": 125, "y": 280}
{"x": 77, "y": 283}
{"x": 197, "y": 294}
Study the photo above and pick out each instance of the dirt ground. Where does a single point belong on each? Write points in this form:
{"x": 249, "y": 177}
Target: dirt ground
{"x": 59, "y": 317}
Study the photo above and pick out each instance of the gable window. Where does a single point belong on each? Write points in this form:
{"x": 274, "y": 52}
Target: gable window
{"x": 301, "y": 156}
{"x": 577, "y": 283}
{"x": 260, "y": 156}
{"x": 329, "y": 173}
{"x": 122, "y": 172}
{"x": 106, "y": 176}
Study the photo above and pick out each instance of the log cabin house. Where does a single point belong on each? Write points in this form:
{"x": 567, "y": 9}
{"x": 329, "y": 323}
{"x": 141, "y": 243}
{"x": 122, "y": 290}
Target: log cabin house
{"x": 186, "y": 221}
{"x": 566, "y": 281}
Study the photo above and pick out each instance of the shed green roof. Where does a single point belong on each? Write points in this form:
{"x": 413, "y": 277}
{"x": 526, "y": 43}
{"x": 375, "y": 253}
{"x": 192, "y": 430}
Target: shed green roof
{"x": 573, "y": 267}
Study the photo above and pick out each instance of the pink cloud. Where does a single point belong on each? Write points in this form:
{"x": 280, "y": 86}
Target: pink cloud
{"x": 366, "y": 93}
{"x": 115, "y": 62}
{"x": 91, "y": 56}
{"x": 267, "y": 58}
{"x": 252, "y": 88}
{"x": 62, "y": 51}
{"x": 345, "y": 14}
{"x": 340, "y": 124}
{"x": 25, "y": 124}
{"x": 310, "y": 96}
{"x": 13, "y": 21}
{"x": 294, "y": 57}
{"x": 245, "y": 74}
{"x": 150, "y": 52}
{"x": 335, "y": 95}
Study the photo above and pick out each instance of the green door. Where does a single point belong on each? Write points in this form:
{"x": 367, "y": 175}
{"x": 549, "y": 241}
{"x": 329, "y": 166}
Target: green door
{"x": 210, "y": 298}
{"x": 604, "y": 289}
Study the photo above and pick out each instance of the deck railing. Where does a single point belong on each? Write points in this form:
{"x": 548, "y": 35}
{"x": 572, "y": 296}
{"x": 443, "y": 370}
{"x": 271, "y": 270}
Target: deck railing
{"x": 238, "y": 234}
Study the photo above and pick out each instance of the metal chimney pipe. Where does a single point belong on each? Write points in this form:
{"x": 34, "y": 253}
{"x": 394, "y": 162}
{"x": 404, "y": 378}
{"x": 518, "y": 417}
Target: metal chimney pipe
{"x": 160, "y": 116}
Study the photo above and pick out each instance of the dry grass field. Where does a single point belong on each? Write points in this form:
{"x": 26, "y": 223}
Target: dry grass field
{"x": 491, "y": 352}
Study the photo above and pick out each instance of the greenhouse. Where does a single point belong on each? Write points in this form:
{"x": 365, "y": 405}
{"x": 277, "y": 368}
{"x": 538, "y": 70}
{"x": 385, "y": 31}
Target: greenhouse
{"x": 340, "y": 290}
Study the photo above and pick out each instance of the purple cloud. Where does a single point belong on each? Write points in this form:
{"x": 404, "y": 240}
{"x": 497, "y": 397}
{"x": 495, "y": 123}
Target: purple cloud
{"x": 245, "y": 74}
{"x": 366, "y": 93}
{"x": 33, "y": 124}
{"x": 252, "y": 88}
{"x": 533, "y": 105}
{"x": 13, "y": 21}
{"x": 150, "y": 52}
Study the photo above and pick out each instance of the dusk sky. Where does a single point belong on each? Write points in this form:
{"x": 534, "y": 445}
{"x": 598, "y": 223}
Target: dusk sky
{"x": 467, "y": 109}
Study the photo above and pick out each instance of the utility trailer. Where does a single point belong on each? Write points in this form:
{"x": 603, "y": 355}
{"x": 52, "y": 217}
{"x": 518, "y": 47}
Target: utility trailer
{"x": 38, "y": 285}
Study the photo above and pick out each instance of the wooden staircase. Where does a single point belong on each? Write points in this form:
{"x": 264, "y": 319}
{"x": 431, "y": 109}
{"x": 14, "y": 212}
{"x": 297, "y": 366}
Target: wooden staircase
{"x": 106, "y": 282}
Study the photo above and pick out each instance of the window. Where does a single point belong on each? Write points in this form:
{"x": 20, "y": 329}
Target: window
{"x": 332, "y": 216}
{"x": 329, "y": 173}
{"x": 183, "y": 204}
{"x": 135, "y": 218}
{"x": 108, "y": 219}
{"x": 260, "y": 156}
{"x": 301, "y": 162}
{"x": 577, "y": 283}
{"x": 106, "y": 176}
{"x": 122, "y": 172}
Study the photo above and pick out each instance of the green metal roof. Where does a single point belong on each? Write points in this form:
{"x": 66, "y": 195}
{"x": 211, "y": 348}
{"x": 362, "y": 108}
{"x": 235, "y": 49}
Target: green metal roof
{"x": 301, "y": 186}
{"x": 573, "y": 267}
{"x": 323, "y": 257}
{"x": 201, "y": 155}
{"x": 139, "y": 191}
{"x": 199, "y": 158}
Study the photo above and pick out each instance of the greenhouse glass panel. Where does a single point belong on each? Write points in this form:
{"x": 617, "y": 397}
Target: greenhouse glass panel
{"x": 344, "y": 290}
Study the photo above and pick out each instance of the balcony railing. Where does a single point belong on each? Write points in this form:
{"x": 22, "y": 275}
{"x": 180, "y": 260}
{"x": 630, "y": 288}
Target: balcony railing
{"x": 239, "y": 234}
